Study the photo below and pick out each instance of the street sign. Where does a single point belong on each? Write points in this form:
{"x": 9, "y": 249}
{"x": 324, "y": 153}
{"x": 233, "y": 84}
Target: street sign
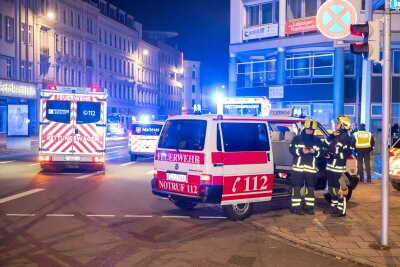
{"x": 394, "y": 4}
{"x": 334, "y": 18}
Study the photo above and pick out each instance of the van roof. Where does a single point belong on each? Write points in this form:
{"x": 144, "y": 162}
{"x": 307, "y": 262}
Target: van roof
{"x": 238, "y": 117}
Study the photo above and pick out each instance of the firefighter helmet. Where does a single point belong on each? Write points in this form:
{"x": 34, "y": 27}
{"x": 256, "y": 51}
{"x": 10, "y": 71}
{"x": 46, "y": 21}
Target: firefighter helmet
{"x": 310, "y": 124}
{"x": 344, "y": 121}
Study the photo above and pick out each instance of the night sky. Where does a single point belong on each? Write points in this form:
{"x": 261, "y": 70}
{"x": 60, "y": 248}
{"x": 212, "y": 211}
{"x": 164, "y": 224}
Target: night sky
{"x": 202, "y": 25}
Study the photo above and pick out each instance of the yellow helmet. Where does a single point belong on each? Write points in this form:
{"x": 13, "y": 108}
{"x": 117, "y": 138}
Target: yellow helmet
{"x": 344, "y": 121}
{"x": 310, "y": 124}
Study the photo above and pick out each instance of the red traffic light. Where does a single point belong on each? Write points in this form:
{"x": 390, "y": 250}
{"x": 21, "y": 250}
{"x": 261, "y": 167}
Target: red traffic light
{"x": 360, "y": 49}
{"x": 361, "y": 29}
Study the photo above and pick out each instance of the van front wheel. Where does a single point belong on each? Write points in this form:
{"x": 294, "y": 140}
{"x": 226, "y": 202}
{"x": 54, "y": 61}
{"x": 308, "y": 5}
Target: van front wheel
{"x": 238, "y": 212}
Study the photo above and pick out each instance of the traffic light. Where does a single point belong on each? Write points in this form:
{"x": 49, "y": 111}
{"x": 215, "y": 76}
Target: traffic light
{"x": 370, "y": 48}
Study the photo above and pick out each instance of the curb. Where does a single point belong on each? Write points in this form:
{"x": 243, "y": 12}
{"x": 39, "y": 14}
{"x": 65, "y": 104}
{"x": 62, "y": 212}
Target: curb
{"x": 325, "y": 250}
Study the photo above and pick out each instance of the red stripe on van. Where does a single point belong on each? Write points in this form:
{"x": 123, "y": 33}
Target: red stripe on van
{"x": 183, "y": 157}
{"x": 239, "y": 158}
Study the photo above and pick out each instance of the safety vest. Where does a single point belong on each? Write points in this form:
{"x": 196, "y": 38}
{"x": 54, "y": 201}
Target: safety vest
{"x": 363, "y": 139}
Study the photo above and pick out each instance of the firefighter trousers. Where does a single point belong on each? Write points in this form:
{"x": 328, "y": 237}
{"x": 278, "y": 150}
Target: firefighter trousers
{"x": 364, "y": 158}
{"x": 298, "y": 180}
{"x": 338, "y": 204}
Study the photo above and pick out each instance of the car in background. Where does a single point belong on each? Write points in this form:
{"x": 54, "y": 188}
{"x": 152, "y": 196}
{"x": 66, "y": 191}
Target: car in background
{"x": 143, "y": 138}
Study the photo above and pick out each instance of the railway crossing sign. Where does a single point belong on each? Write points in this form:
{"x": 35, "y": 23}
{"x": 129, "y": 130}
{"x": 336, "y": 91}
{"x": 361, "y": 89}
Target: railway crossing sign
{"x": 334, "y": 18}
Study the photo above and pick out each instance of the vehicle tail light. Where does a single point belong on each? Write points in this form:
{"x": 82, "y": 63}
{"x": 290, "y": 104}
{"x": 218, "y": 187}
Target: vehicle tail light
{"x": 52, "y": 87}
{"x": 205, "y": 179}
{"x": 202, "y": 190}
{"x": 391, "y": 154}
{"x": 282, "y": 175}
{"x": 98, "y": 159}
{"x": 45, "y": 158}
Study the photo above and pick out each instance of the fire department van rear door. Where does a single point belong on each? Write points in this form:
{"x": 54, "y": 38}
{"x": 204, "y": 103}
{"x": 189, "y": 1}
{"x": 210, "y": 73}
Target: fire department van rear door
{"x": 248, "y": 174}
{"x": 89, "y": 134}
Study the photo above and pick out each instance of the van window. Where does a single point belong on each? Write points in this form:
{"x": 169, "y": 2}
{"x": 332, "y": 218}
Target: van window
{"x": 219, "y": 145}
{"x": 58, "y": 111}
{"x": 87, "y": 112}
{"x": 146, "y": 129}
{"x": 245, "y": 137}
{"x": 183, "y": 134}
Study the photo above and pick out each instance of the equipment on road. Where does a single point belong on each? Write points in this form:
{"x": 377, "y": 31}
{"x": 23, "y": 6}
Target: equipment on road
{"x": 72, "y": 127}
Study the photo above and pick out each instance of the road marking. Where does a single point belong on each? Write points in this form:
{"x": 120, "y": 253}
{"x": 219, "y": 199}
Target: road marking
{"x": 6, "y": 199}
{"x": 89, "y": 175}
{"x": 60, "y": 215}
{"x": 150, "y": 172}
{"x": 108, "y": 153}
{"x": 20, "y": 214}
{"x": 176, "y": 217}
{"x": 100, "y": 215}
{"x": 115, "y": 157}
{"x": 163, "y": 198}
{"x": 212, "y": 217}
{"x": 4, "y": 162}
{"x": 128, "y": 163}
{"x": 114, "y": 147}
{"x": 138, "y": 216}
{"x": 33, "y": 164}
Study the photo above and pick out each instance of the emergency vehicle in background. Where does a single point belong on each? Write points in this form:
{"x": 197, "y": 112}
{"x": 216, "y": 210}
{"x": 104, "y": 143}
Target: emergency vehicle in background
{"x": 256, "y": 106}
{"x": 230, "y": 160}
{"x": 118, "y": 124}
{"x": 72, "y": 128}
{"x": 394, "y": 165}
{"x": 143, "y": 138}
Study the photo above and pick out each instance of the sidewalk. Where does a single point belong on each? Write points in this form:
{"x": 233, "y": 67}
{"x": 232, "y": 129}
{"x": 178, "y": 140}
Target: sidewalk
{"x": 355, "y": 237}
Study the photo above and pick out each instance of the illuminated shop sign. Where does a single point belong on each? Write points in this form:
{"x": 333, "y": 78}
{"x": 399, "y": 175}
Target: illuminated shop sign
{"x": 301, "y": 25}
{"x": 264, "y": 31}
{"x": 17, "y": 89}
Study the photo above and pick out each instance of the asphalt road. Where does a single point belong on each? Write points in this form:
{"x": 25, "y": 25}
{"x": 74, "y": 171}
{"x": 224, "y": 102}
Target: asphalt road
{"x": 73, "y": 218}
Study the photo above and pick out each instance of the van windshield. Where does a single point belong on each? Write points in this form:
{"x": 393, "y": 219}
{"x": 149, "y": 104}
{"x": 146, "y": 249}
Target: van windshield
{"x": 146, "y": 129}
{"x": 183, "y": 134}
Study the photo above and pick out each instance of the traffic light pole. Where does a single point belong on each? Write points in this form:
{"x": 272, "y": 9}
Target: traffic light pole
{"x": 386, "y": 102}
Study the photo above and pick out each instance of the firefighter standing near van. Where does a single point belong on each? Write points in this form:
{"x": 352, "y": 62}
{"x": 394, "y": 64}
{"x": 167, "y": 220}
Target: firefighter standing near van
{"x": 305, "y": 148}
{"x": 363, "y": 143}
{"x": 338, "y": 149}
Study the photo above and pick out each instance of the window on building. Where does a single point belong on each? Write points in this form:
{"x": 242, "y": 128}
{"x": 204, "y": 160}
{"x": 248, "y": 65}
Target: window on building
{"x": 310, "y": 7}
{"x": 253, "y": 14}
{"x": 115, "y": 65}
{"x": 349, "y": 64}
{"x": 10, "y": 67}
{"x": 65, "y": 45}
{"x": 193, "y": 102}
{"x": 23, "y": 37}
{"x": 110, "y": 63}
{"x": 30, "y": 34}
{"x": 100, "y": 58}
{"x": 79, "y": 49}
{"x": 72, "y": 48}
{"x": 72, "y": 19}
{"x": 120, "y": 66}
{"x": 73, "y": 77}
{"x": 376, "y": 109}
{"x": 382, "y": 7}
{"x": 65, "y": 76}
{"x": 1, "y": 26}
{"x": 65, "y": 16}
{"x": 294, "y": 9}
{"x": 120, "y": 43}
{"x": 396, "y": 62}
{"x": 79, "y": 78}
{"x": 30, "y": 71}
{"x": 323, "y": 65}
{"x": 267, "y": 12}
{"x": 105, "y": 37}
{"x": 23, "y": 71}
{"x": 79, "y": 21}
{"x": 193, "y": 74}
{"x": 57, "y": 40}
{"x": 100, "y": 36}
{"x": 301, "y": 65}
{"x": 10, "y": 24}
{"x": 193, "y": 88}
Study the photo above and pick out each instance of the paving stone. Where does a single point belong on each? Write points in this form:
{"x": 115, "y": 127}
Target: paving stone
{"x": 307, "y": 233}
{"x": 394, "y": 252}
{"x": 384, "y": 261}
{"x": 349, "y": 238}
{"x": 323, "y": 239}
{"x": 346, "y": 245}
{"x": 363, "y": 252}
{"x": 364, "y": 244}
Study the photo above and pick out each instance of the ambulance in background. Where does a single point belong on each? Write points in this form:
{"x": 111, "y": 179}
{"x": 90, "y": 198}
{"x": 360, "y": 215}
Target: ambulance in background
{"x": 143, "y": 138}
{"x": 256, "y": 106}
{"x": 72, "y": 128}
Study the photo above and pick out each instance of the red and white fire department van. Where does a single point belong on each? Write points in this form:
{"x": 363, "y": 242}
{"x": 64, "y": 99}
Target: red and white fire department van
{"x": 230, "y": 160}
{"x": 72, "y": 128}
{"x": 143, "y": 138}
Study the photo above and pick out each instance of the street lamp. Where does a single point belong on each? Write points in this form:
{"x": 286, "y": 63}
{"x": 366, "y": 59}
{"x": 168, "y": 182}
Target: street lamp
{"x": 145, "y": 52}
{"x": 51, "y": 15}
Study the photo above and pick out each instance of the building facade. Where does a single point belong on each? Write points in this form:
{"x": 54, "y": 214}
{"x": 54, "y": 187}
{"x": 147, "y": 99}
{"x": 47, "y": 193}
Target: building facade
{"x": 192, "y": 92}
{"x": 81, "y": 43}
{"x": 277, "y": 51}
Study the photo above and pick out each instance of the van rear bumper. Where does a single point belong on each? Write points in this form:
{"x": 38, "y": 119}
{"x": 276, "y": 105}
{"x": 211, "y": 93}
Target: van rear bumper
{"x": 59, "y": 165}
{"x": 208, "y": 194}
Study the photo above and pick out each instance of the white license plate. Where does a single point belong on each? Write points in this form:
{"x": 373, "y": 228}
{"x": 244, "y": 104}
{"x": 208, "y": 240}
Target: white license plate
{"x": 72, "y": 158}
{"x": 177, "y": 177}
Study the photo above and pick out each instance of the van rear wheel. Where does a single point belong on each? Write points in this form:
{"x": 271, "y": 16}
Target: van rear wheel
{"x": 184, "y": 204}
{"x": 395, "y": 185}
{"x": 238, "y": 212}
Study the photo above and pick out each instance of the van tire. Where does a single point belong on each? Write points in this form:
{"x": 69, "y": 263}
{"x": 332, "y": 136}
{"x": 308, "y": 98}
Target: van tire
{"x": 238, "y": 212}
{"x": 327, "y": 196}
{"x": 395, "y": 185}
{"x": 184, "y": 205}
{"x": 133, "y": 157}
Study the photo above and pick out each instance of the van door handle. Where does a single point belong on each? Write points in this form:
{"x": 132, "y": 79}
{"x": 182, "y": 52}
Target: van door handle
{"x": 268, "y": 157}
{"x": 218, "y": 164}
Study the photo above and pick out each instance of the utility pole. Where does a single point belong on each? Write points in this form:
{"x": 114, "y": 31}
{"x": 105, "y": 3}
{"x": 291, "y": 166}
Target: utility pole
{"x": 386, "y": 102}
{"x": 366, "y": 77}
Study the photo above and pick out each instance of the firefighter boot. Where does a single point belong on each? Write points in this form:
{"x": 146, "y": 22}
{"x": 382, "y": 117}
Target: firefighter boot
{"x": 297, "y": 211}
{"x": 309, "y": 211}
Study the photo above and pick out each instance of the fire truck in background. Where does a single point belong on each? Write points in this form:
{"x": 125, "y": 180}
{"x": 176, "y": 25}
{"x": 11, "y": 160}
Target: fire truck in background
{"x": 256, "y": 106}
{"x": 72, "y": 128}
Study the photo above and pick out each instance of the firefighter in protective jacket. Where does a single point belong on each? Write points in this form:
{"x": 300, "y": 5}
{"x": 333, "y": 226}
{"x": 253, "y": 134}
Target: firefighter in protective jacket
{"x": 338, "y": 149}
{"x": 306, "y": 148}
{"x": 363, "y": 143}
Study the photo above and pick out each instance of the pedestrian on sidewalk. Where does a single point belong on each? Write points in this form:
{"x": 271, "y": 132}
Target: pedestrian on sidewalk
{"x": 305, "y": 148}
{"x": 354, "y": 129}
{"x": 338, "y": 149}
{"x": 363, "y": 143}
